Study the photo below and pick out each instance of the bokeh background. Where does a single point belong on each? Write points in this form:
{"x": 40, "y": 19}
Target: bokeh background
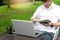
{"x": 17, "y": 9}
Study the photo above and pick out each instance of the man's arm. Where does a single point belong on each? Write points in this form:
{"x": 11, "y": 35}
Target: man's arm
{"x": 35, "y": 19}
{"x": 49, "y": 24}
{"x": 56, "y": 24}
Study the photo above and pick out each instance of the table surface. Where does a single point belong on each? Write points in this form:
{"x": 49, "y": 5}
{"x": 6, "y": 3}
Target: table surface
{"x": 19, "y": 37}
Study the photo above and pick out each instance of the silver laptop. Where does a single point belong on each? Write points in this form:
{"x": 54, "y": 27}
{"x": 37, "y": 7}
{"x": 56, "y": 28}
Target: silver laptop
{"x": 24, "y": 27}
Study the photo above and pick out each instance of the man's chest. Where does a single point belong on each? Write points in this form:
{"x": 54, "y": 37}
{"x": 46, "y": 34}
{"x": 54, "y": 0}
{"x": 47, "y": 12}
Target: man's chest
{"x": 49, "y": 14}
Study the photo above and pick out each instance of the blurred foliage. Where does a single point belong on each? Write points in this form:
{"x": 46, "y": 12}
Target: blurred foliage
{"x": 3, "y": 2}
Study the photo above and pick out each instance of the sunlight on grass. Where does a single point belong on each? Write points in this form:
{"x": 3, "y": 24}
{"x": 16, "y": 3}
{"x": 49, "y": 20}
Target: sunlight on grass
{"x": 25, "y": 5}
{"x": 21, "y": 5}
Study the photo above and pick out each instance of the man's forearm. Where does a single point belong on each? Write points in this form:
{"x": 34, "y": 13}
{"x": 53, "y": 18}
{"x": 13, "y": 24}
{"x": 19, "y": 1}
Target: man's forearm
{"x": 52, "y": 24}
{"x": 56, "y": 24}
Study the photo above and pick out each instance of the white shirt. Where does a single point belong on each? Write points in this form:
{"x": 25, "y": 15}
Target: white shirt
{"x": 52, "y": 13}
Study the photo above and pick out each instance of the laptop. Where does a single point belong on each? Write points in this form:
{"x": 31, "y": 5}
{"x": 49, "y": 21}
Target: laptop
{"x": 26, "y": 28}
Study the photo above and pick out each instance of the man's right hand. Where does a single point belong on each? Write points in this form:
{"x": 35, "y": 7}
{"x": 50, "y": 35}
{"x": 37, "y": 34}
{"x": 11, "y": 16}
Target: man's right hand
{"x": 36, "y": 19}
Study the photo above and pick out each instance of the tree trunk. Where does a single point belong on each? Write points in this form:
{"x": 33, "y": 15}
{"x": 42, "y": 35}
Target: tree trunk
{"x": 34, "y": 2}
{"x": 8, "y": 3}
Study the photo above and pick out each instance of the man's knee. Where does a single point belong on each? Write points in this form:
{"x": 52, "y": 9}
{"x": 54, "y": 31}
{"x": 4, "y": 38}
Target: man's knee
{"x": 46, "y": 37}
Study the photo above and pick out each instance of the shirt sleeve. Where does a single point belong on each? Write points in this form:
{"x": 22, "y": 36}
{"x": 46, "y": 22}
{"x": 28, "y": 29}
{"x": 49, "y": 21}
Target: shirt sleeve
{"x": 35, "y": 14}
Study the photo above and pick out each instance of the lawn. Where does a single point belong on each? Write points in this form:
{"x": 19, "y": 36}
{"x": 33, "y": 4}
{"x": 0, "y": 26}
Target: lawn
{"x": 17, "y": 11}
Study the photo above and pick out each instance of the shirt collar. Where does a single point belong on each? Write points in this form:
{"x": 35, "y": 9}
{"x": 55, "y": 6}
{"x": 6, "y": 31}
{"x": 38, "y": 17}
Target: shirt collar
{"x": 51, "y": 7}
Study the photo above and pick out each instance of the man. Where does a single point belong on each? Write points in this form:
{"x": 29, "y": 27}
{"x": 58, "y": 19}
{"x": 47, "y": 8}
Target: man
{"x": 49, "y": 11}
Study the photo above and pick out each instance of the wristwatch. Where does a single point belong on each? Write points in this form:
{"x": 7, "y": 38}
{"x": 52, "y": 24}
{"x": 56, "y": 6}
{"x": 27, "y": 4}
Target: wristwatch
{"x": 51, "y": 25}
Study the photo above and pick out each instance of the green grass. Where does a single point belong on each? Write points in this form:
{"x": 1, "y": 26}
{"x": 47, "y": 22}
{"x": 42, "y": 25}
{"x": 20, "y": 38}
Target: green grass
{"x": 17, "y": 11}
{"x": 57, "y": 2}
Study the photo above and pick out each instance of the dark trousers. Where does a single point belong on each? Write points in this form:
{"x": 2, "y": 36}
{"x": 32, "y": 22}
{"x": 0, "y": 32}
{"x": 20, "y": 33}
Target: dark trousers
{"x": 47, "y": 36}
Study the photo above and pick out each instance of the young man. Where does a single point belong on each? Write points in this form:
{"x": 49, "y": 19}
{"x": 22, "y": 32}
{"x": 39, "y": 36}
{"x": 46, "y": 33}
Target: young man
{"x": 49, "y": 11}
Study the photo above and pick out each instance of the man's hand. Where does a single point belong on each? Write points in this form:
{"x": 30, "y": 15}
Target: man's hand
{"x": 56, "y": 24}
{"x": 36, "y": 19}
